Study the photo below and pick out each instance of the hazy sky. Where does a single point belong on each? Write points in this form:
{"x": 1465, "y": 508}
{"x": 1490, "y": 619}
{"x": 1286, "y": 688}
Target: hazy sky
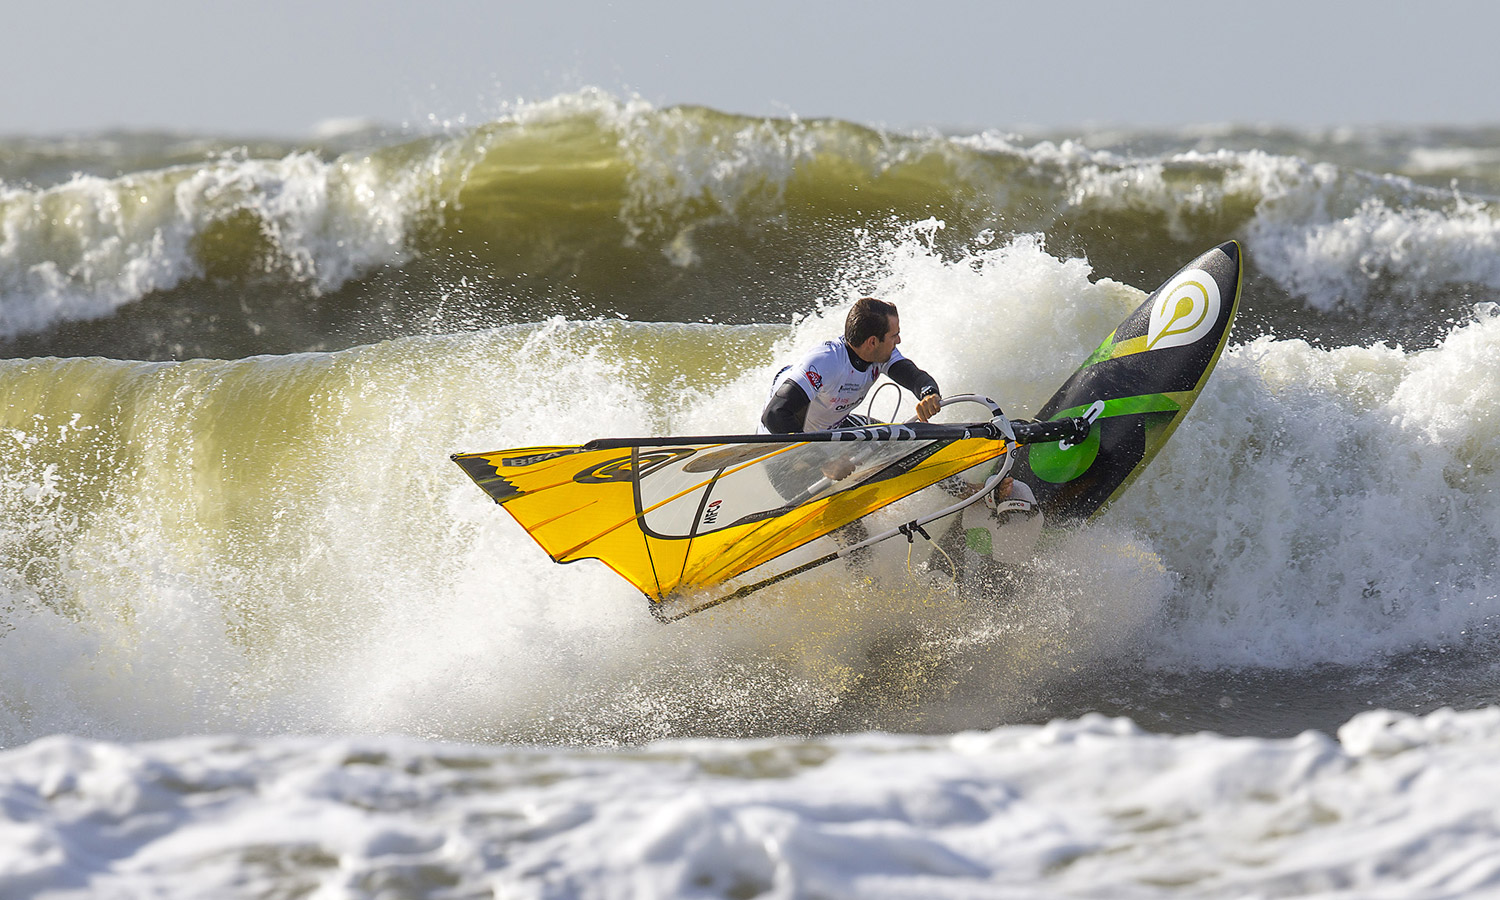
{"x": 282, "y": 66}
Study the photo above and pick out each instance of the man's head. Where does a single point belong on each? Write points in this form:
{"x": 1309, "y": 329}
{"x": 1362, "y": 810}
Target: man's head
{"x": 873, "y": 329}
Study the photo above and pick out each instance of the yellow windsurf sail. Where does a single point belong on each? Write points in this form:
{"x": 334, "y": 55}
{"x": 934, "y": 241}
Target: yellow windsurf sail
{"x": 670, "y": 516}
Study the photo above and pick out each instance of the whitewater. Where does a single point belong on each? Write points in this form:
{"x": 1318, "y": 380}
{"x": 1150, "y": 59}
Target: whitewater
{"x": 259, "y": 637}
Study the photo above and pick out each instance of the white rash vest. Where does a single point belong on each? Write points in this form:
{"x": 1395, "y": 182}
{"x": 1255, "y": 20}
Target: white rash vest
{"x": 831, "y": 381}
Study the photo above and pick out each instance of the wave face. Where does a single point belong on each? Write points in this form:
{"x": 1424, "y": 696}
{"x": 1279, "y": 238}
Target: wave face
{"x": 162, "y": 247}
{"x": 279, "y": 543}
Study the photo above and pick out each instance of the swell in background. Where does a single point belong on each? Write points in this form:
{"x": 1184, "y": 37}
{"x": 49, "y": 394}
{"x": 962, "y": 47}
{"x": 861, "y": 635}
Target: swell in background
{"x": 155, "y": 247}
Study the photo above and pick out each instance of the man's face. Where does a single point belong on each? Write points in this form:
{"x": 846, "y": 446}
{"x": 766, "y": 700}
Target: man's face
{"x": 883, "y": 349}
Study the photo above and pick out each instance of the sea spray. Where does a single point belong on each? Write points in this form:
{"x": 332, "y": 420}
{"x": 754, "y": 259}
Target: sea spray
{"x": 290, "y": 527}
{"x": 1332, "y": 505}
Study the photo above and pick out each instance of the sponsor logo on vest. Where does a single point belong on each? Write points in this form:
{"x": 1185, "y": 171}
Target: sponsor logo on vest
{"x": 814, "y": 379}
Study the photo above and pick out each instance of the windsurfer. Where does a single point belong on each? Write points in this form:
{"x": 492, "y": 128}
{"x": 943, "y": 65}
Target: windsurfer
{"x": 816, "y": 392}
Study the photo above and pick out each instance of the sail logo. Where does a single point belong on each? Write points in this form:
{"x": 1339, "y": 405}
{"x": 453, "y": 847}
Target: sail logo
{"x": 711, "y": 515}
{"x": 632, "y": 467}
{"x": 1185, "y": 310}
{"x": 537, "y": 458}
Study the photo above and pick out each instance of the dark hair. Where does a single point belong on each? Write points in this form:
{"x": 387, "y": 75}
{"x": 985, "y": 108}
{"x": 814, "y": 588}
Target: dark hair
{"x": 870, "y": 318}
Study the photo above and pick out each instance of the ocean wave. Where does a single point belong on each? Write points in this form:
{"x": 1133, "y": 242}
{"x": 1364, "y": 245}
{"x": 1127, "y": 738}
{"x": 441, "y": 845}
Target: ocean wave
{"x": 281, "y": 543}
{"x": 588, "y": 204}
{"x": 83, "y": 249}
{"x": 1341, "y": 502}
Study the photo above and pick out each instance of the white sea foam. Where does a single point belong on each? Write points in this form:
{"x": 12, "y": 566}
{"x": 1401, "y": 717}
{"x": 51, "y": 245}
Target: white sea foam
{"x": 82, "y": 249}
{"x": 1327, "y": 506}
{"x": 1341, "y": 260}
{"x": 1360, "y": 243}
{"x": 1397, "y": 806}
{"x": 1336, "y": 238}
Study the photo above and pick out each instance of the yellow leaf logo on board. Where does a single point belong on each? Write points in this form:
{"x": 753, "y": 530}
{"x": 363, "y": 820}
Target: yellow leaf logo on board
{"x": 1185, "y": 310}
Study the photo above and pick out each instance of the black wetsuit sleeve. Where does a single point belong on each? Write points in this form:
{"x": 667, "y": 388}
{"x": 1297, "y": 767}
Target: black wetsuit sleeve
{"x": 786, "y": 412}
{"x": 905, "y": 373}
